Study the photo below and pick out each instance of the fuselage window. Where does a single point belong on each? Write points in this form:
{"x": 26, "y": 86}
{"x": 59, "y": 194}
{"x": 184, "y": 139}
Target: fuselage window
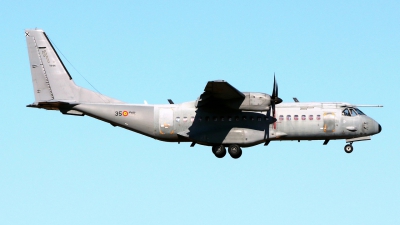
{"x": 303, "y": 117}
{"x": 178, "y": 119}
{"x": 184, "y": 119}
{"x": 192, "y": 119}
{"x": 288, "y": 117}
{"x": 229, "y": 118}
{"x": 251, "y": 118}
{"x": 200, "y": 118}
{"x": 281, "y": 117}
{"x": 310, "y": 117}
{"x": 296, "y": 117}
{"x": 244, "y": 118}
{"x": 236, "y": 118}
{"x": 318, "y": 117}
{"x": 222, "y": 118}
{"x": 215, "y": 118}
{"x": 207, "y": 118}
{"x": 258, "y": 118}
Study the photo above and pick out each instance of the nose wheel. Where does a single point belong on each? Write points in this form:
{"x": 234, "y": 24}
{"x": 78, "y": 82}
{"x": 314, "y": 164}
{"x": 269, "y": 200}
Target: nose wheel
{"x": 348, "y": 148}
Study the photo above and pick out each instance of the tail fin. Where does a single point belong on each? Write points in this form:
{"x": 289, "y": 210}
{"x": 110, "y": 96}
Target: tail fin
{"x": 51, "y": 80}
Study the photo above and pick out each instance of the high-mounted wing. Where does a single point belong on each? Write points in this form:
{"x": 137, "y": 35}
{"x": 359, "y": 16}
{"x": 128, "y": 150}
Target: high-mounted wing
{"x": 221, "y": 89}
{"x": 220, "y": 93}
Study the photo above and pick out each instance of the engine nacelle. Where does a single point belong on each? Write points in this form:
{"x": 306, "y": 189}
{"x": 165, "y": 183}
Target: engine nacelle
{"x": 256, "y": 101}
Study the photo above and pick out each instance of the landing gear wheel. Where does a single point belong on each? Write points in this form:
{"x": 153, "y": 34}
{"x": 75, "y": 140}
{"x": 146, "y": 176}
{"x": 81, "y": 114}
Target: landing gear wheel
{"x": 234, "y": 151}
{"x": 219, "y": 151}
{"x": 348, "y": 148}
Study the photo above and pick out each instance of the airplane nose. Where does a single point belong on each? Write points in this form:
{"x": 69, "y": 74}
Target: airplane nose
{"x": 380, "y": 128}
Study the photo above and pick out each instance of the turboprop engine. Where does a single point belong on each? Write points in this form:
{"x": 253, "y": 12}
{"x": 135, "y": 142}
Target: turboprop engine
{"x": 256, "y": 101}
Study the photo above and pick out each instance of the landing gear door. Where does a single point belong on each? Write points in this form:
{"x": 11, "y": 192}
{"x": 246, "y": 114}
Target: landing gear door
{"x": 329, "y": 122}
{"x": 166, "y": 121}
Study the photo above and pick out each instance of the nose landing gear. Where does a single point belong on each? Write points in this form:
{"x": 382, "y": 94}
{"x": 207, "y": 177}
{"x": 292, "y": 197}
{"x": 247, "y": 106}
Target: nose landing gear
{"x": 349, "y": 148}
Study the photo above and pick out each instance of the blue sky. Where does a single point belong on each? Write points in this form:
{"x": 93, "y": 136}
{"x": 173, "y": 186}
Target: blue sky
{"x": 57, "y": 169}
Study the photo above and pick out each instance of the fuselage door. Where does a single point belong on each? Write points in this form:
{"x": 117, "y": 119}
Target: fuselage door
{"x": 329, "y": 122}
{"x": 166, "y": 121}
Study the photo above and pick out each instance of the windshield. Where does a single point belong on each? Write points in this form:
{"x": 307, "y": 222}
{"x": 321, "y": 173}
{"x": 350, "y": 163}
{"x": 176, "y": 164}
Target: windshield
{"x": 352, "y": 112}
{"x": 359, "y": 111}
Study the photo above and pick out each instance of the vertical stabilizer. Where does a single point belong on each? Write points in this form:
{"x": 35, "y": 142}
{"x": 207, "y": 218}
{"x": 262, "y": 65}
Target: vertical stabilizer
{"x": 51, "y": 80}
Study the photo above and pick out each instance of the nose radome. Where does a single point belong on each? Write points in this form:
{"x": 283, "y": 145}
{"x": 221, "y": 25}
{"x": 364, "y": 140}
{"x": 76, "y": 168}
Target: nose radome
{"x": 380, "y": 128}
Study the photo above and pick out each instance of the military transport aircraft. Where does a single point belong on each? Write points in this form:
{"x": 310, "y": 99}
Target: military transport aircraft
{"x": 222, "y": 117}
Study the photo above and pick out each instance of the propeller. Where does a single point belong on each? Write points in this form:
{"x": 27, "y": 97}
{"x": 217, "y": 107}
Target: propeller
{"x": 275, "y": 99}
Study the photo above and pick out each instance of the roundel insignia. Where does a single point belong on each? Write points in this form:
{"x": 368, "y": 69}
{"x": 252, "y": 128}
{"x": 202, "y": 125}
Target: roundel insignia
{"x": 125, "y": 113}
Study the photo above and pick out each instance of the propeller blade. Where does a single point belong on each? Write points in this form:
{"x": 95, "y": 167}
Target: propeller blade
{"x": 273, "y": 88}
{"x": 274, "y": 97}
{"x": 273, "y": 113}
{"x": 275, "y": 100}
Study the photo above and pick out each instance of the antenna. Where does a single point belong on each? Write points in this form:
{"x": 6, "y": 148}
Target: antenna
{"x": 363, "y": 105}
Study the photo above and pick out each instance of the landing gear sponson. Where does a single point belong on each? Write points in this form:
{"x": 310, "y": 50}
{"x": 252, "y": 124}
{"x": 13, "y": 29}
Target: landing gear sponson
{"x": 234, "y": 150}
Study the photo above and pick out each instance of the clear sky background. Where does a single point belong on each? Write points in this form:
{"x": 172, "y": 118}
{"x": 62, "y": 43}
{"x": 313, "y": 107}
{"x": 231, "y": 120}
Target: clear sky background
{"x": 57, "y": 169}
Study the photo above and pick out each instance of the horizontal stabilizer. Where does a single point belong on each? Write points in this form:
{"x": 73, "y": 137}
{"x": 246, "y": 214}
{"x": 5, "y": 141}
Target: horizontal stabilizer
{"x": 52, "y": 105}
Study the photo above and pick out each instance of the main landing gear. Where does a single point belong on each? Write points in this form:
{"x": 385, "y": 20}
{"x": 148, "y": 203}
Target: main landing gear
{"x": 219, "y": 151}
{"x": 234, "y": 150}
{"x": 349, "y": 148}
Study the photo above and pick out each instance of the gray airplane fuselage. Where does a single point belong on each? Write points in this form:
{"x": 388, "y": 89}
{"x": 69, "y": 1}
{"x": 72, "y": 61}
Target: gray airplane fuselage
{"x": 186, "y": 123}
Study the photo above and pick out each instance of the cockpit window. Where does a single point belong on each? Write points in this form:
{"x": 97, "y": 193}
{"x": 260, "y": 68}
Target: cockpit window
{"x": 359, "y": 111}
{"x": 352, "y": 112}
{"x": 346, "y": 112}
